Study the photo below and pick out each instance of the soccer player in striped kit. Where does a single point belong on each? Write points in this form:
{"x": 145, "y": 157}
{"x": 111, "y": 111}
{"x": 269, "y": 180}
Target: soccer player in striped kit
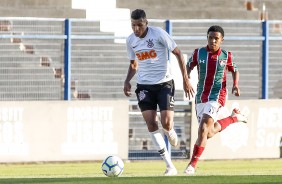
{"x": 212, "y": 63}
{"x": 147, "y": 49}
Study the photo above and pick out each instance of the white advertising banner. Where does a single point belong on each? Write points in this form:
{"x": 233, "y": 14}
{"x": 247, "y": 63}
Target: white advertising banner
{"x": 63, "y": 130}
{"x": 261, "y": 137}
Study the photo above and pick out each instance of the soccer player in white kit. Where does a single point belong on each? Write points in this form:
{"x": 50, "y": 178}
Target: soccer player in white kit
{"x": 147, "y": 49}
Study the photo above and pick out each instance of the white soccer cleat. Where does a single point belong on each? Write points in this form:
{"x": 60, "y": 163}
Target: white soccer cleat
{"x": 190, "y": 170}
{"x": 170, "y": 171}
{"x": 172, "y": 137}
{"x": 240, "y": 117}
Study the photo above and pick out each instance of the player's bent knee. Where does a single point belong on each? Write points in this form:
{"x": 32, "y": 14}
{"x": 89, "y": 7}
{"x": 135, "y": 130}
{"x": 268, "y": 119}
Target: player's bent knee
{"x": 210, "y": 134}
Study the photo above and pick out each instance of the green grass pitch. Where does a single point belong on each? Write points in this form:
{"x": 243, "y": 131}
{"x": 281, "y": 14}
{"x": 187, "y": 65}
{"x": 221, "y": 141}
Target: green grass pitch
{"x": 143, "y": 172}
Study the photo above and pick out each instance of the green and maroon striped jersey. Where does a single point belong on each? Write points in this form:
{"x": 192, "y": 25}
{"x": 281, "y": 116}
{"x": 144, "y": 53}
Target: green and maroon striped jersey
{"x": 212, "y": 70}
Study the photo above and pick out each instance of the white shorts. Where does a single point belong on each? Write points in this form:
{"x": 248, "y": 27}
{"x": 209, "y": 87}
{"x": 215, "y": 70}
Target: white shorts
{"x": 211, "y": 108}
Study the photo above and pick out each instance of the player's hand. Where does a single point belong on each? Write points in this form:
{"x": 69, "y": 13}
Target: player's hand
{"x": 189, "y": 91}
{"x": 236, "y": 90}
{"x": 127, "y": 88}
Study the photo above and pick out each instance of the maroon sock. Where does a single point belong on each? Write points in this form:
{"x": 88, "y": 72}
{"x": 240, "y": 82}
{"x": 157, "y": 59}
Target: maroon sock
{"x": 227, "y": 121}
{"x": 197, "y": 152}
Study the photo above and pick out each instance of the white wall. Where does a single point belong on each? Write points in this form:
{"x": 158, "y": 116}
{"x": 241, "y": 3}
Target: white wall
{"x": 115, "y": 20}
{"x": 62, "y": 130}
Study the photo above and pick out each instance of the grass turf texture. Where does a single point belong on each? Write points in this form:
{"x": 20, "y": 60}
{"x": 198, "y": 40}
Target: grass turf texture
{"x": 230, "y": 171}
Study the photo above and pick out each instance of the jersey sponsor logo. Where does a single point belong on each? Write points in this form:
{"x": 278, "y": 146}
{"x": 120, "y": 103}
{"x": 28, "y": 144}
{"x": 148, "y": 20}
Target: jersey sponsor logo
{"x": 146, "y": 55}
{"x": 150, "y": 43}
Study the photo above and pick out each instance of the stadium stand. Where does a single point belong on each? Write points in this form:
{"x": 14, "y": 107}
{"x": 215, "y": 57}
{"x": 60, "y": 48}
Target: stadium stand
{"x": 38, "y": 8}
{"x": 32, "y": 69}
{"x": 89, "y": 56}
{"x": 25, "y": 71}
{"x": 191, "y": 9}
{"x": 205, "y": 9}
{"x": 273, "y": 8}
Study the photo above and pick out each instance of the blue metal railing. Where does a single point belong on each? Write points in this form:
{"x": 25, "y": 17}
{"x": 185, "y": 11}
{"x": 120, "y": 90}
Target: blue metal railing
{"x": 67, "y": 61}
{"x": 264, "y": 36}
{"x": 265, "y": 60}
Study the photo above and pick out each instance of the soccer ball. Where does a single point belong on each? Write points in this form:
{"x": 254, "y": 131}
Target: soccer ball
{"x": 112, "y": 166}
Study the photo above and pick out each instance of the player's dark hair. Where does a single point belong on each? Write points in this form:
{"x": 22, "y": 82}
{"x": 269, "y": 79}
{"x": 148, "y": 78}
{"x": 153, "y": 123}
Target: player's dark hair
{"x": 216, "y": 28}
{"x": 138, "y": 14}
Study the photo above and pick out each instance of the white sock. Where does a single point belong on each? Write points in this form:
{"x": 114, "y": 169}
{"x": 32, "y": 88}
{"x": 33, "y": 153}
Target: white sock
{"x": 159, "y": 142}
{"x": 170, "y": 133}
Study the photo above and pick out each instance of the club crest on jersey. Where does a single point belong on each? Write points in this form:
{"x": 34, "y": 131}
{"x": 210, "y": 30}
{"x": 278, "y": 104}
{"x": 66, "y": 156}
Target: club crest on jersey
{"x": 142, "y": 95}
{"x": 150, "y": 43}
{"x": 222, "y": 62}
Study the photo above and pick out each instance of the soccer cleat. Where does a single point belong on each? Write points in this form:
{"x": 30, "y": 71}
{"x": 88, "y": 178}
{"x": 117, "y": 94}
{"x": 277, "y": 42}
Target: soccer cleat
{"x": 240, "y": 117}
{"x": 172, "y": 137}
{"x": 170, "y": 171}
{"x": 189, "y": 170}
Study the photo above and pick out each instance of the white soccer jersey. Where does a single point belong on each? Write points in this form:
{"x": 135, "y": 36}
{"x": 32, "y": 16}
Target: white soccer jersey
{"x": 151, "y": 52}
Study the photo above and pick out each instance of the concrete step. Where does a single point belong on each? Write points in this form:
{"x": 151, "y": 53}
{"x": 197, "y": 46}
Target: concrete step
{"x": 205, "y": 14}
{"x": 275, "y": 15}
{"x": 90, "y": 47}
{"x": 29, "y": 59}
{"x": 45, "y": 83}
{"x": 31, "y": 96}
{"x": 30, "y": 89}
{"x": 124, "y": 66}
{"x": 165, "y": 4}
{"x": 270, "y": 5}
{"x": 100, "y": 71}
{"x": 93, "y": 53}
{"x": 43, "y": 12}
{"x": 105, "y": 93}
{"x": 195, "y": 29}
{"x": 94, "y": 41}
{"x": 192, "y": 9}
{"x": 36, "y": 3}
{"x": 110, "y": 60}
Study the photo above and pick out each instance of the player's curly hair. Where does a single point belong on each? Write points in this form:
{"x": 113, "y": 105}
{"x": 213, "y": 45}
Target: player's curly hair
{"x": 216, "y": 28}
{"x": 138, "y": 14}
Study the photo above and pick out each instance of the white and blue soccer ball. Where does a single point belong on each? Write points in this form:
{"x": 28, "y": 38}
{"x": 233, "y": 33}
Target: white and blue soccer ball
{"x": 112, "y": 166}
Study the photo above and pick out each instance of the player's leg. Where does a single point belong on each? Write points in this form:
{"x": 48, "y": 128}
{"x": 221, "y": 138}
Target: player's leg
{"x": 158, "y": 140}
{"x": 168, "y": 126}
{"x": 222, "y": 123}
{"x": 205, "y": 125}
{"x": 206, "y": 113}
{"x": 166, "y": 106}
{"x": 236, "y": 116}
{"x": 148, "y": 106}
